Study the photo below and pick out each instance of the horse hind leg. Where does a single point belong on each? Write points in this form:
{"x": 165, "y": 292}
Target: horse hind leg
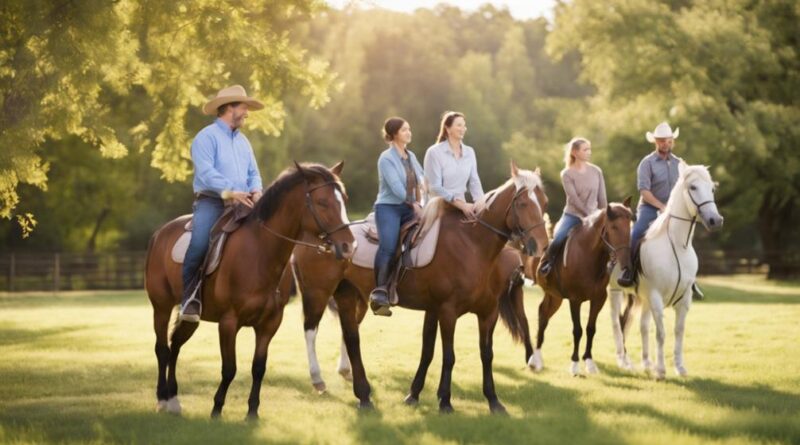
{"x": 313, "y": 307}
{"x": 577, "y": 333}
{"x": 595, "y": 306}
{"x": 161, "y": 328}
{"x": 181, "y": 333}
{"x": 264, "y": 334}
{"x": 680, "y": 323}
{"x": 428, "y": 345}
{"x": 547, "y": 308}
{"x": 618, "y": 321}
{"x": 348, "y": 300}
{"x": 447, "y": 326}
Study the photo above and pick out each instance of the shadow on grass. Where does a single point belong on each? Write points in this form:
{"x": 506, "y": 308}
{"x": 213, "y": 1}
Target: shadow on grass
{"x": 554, "y": 415}
{"x": 716, "y": 294}
{"x": 12, "y": 335}
{"x": 110, "y": 299}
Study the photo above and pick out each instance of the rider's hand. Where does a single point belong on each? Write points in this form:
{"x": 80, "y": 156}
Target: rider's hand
{"x": 466, "y": 208}
{"x": 255, "y": 196}
{"x": 242, "y": 198}
{"x": 417, "y": 209}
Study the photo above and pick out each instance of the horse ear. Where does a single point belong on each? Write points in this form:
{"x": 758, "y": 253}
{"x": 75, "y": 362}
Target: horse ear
{"x": 514, "y": 169}
{"x": 609, "y": 212}
{"x": 300, "y": 169}
{"x": 627, "y": 201}
{"x": 337, "y": 169}
{"x": 682, "y": 166}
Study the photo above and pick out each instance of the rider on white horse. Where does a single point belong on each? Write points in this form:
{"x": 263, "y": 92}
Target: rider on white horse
{"x": 656, "y": 176}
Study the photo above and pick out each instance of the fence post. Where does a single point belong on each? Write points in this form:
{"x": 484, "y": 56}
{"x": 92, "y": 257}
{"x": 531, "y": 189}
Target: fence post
{"x": 56, "y": 273}
{"x": 11, "y": 272}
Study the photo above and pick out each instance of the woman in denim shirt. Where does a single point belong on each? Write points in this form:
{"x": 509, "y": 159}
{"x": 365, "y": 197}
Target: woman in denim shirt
{"x": 399, "y": 179}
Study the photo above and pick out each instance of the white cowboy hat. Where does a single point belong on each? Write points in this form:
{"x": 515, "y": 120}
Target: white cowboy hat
{"x": 235, "y": 93}
{"x": 662, "y": 131}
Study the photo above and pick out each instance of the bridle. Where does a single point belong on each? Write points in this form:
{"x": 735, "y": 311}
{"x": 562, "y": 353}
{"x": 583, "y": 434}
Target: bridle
{"x": 324, "y": 232}
{"x": 518, "y": 233}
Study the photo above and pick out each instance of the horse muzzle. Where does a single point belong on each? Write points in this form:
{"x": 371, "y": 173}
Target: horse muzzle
{"x": 344, "y": 250}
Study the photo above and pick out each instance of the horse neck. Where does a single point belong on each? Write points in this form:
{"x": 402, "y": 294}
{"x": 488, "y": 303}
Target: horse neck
{"x": 488, "y": 242}
{"x": 285, "y": 221}
{"x": 592, "y": 238}
{"x": 681, "y": 232}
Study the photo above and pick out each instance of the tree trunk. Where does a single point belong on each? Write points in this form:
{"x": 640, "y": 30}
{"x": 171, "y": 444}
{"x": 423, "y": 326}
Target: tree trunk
{"x": 777, "y": 231}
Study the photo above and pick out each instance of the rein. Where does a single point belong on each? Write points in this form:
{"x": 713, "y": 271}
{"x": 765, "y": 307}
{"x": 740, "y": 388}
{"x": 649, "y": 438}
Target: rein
{"x": 518, "y": 232}
{"x": 692, "y": 225}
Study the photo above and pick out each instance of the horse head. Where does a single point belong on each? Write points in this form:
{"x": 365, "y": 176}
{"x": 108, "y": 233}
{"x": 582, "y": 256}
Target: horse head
{"x": 325, "y": 214}
{"x": 698, "y": 192}
{"x": 617, "y": 231}
{"x": 525, "y": 216}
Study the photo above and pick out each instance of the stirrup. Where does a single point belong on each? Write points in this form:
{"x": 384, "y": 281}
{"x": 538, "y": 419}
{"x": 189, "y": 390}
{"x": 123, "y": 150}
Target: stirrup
{"x": 191, "y": 317}
{"x": 379, "y": 302}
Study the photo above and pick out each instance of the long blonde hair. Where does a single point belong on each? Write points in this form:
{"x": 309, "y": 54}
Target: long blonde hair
{"x": 573, "y": 144}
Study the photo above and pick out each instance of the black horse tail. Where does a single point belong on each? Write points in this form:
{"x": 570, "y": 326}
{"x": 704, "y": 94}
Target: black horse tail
{"x": 632, "y": 306}
{"x": 512, "y": 307}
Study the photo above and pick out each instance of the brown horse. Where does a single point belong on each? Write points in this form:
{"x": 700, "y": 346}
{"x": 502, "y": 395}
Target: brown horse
{"x": 603, "y": 236}
{"x": 308, "y": 199}
{"x": 462, "y": 277}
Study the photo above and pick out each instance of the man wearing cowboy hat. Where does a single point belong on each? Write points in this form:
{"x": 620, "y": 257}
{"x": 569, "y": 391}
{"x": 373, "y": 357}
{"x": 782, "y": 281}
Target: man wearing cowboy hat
{"x": 224, "y": 169}
{"x": 656, "y": 175}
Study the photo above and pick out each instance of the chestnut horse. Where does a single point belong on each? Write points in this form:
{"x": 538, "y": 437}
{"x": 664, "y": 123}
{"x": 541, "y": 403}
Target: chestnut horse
{"x": 603, "y": 236}
{"x": 464, "y": 276}
{"x": 308, "y": 199}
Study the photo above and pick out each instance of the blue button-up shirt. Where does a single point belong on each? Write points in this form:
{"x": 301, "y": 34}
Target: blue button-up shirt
{"x": 224, "y": 161}
{"x": 449, "y": 177}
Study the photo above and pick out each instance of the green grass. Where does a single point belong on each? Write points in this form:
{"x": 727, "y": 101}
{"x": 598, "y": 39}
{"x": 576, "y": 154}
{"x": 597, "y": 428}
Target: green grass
{"x": 80, "y": 368}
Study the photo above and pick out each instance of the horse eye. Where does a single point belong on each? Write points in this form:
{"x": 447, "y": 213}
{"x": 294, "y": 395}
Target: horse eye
{"x": 692, "y": 188}
{"x": 322, "y": 203}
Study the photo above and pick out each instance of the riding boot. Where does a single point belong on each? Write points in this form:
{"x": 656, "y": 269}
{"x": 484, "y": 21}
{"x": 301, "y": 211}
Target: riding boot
{"x": 549, "y": 258}
{"x": 190, "y": 303}
{"x": 379, "y": 297}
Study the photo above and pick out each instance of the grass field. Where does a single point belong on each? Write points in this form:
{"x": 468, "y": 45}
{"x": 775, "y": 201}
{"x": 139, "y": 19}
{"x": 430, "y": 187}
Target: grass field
{"x": 80, "y": 368}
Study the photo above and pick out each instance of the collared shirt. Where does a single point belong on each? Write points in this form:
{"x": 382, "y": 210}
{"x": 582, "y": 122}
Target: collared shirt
{"x": 449, "y": 177}
{"x": 224, "y": 161}
{"x": 658, "y": 175}
{"x": 392, "y": 179}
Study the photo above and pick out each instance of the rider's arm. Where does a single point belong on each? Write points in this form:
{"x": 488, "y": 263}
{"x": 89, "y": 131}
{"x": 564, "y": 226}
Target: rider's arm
{"x": 474, "y": 185}
{"x": 433, "y": 174}
{"x": 391, "y": 178}
{"x": 651, "y": 199}
{"x": 644, "y": 176}
{"x": 203, "y": 159}
{"x": 253, "y": 176}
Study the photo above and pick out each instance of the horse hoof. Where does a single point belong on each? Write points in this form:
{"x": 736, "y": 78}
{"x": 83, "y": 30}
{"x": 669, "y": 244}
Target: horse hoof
{"x": 161, "y": 406}
{"x": 591, "y": 367}
{"x": 446, "y": 409}
{"x": 346, "y": 374}
{"x": 410, "y": 400}
{"x": 216, "y": 414}
{"x": 251, "y": 417}
{"x": 681, "y": 371}
{"x": 174, "y": 406}
{"x": 536, "y": 363}
{"x": 320, "y": 388}
{"x": 647, "y": 366}
{"x": 575, "y": 369}
{"x": 498, "y": 408}
{"x": 366, "y": 406}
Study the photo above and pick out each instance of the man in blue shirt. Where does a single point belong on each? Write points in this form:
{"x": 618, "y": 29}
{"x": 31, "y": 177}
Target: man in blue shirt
{"x": 224, "y": 170}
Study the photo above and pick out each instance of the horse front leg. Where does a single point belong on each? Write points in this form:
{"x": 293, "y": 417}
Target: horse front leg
{"x": 657, "y": 310}
{"x": 428, "y": 344}
{"x": 314, "y": 303}
{"x": 182, "y": 333}
{"x": 228, "y": 328}
{"x": 347, "y": 298}
{"x": 644, "y": 329}
{"x": 161, "y": 327}
{"x": 617, "y": 296}
{"x": 486, "y": 326}
{"x": 577, "y": 333}
{"x": 264, "y": 333}
{"x": 681, "y": 311}
{"x": 447, "y": 326}
{"x": 595, "y": 306}
{"x": 547, "y": 308}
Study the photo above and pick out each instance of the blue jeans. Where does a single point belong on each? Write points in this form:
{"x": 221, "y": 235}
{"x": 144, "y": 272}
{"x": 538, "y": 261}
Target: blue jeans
{"x": 388, "y": 219}
{"x": 566, "y": 222}
{"x": 645, "y": 216}
{"x": 206, "y": 212}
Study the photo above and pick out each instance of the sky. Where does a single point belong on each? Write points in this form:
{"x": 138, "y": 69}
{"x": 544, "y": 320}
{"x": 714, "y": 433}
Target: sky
{"x": 520, "y": 9}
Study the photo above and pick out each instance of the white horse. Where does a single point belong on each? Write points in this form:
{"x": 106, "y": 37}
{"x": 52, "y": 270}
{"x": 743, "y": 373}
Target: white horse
{"x": 668, "y": 268}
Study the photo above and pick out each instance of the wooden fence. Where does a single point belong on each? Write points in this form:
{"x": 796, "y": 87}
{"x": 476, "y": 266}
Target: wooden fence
{"x": 125, "y": 270}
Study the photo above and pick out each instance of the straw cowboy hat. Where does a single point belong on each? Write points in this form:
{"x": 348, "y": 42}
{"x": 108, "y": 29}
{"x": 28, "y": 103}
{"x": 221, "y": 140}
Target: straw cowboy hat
{"x": 662, "y": 131}
{"x": 235, "y": 93}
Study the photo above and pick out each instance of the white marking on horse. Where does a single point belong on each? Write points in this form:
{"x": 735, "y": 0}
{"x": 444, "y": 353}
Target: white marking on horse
{"x": 340, "y": 198}
{"x": 311, "y": 349}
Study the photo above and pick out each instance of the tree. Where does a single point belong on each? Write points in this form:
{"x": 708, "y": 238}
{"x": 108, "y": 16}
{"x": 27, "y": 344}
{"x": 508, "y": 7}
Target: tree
{"x": 726, "y": 72}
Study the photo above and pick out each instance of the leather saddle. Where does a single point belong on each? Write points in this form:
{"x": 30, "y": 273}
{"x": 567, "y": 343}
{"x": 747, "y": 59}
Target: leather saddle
{"x": 231, "y": 219}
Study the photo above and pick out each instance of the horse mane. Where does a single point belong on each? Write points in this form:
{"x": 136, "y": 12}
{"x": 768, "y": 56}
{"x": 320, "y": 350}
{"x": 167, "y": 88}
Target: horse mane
{"x": 272, "y": 198}
{"x": 432, "y": 211}
{"x": 523, "y": 179}
{"x": 661, "y": 222}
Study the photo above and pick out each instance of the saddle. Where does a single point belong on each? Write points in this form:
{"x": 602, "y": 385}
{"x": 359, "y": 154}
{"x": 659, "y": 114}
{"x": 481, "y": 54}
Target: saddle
{"x": 417, "y": 248}
{"x": 231, "y": 219}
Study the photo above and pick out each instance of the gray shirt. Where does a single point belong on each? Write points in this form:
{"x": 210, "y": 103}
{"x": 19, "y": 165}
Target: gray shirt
{"x": 586, "y": 190}
{"x": 449, "y": 177}
{"x": 657, "y": 175}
